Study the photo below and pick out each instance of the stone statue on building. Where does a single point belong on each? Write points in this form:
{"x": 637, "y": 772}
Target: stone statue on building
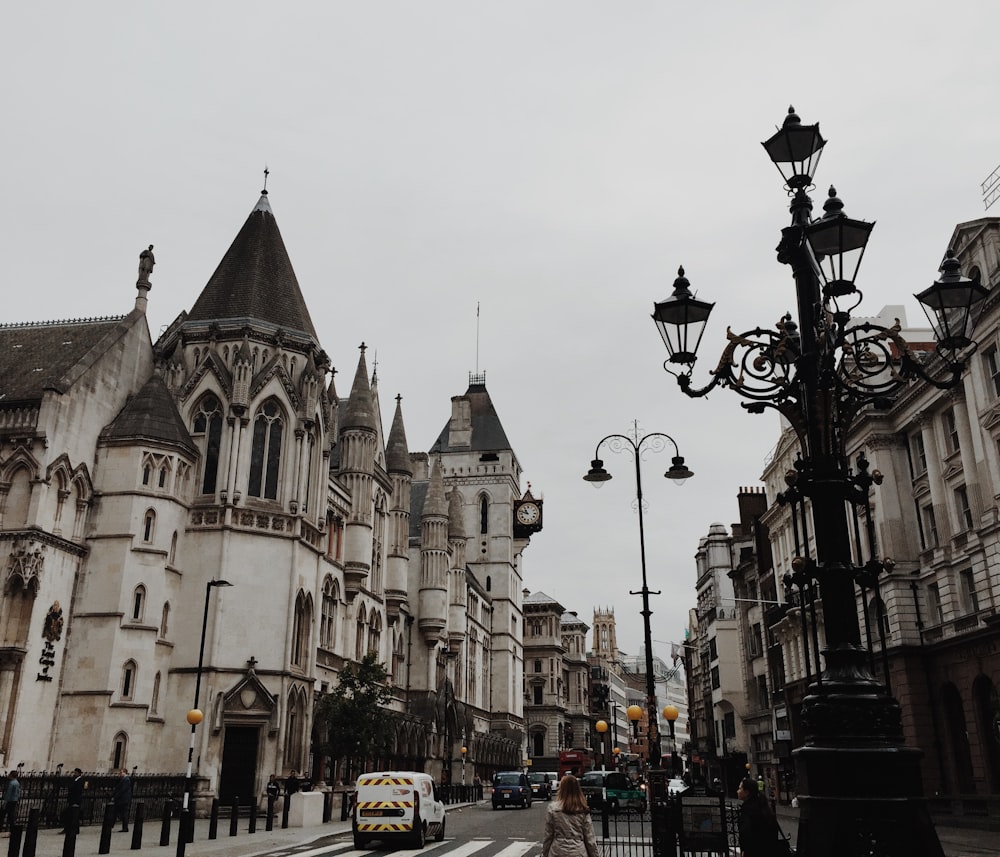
{"x": 146, "y": 262}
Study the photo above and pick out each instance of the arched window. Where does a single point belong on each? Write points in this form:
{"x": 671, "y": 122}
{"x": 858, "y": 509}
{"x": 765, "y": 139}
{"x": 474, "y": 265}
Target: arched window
{"x": 359, "y": 636}
{"x": 265, "y": 453}
{"x": 154, "y": 703}
{"x": 328, "y": 615}
{"x": 161, "y": 479}
{"x": 207, "y": 434}
{"x": 172, "y": 558}
{"x": 138, "y": 603}
{"x": 484, "y": 515}
{"x": 489, "y": 583}
{"x": 129, "y": 672}
{"x": 293, "y": 731}
{"x": 146, "y": 472}
{"x": 164, "y": 621}
{"x": 148, "y": 526}
{"x": 301, "y": 629}
{"x": 375, "y": 632}
{"x": 538, "y": 744}
{"x": 119, "y": 749}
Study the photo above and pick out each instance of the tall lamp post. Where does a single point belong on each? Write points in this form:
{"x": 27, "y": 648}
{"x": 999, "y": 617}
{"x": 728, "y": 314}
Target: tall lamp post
{"x": 194, "y": 717}
{"x": 464, "y": 751}
{"x": 859, "y": 785}
{"x": 670, "y": 714}
{"x": 602, "y": 727}
{"x": 679, "y": 473}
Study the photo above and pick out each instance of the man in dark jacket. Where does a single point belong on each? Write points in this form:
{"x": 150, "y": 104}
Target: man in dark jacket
{"x": 74, "y": 798}
{"x": 123, "y": 798}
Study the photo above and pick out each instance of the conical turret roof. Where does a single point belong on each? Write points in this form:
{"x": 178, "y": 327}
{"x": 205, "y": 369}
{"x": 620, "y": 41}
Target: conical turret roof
{"x": 397, "y": 454}
{"x": 255, "y": 279}
{"x": 150, "y": 415}
{"x": 360, "y": 411}
{"x": 435, "y": 504}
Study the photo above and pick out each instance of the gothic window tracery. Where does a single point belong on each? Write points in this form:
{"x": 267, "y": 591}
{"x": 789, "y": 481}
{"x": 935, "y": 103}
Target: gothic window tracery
{"x": 148, "y": 526}
{"x": 207, "y": 434}
{"x": 328, "y": 616}
{"x": 265, "y": 453}
{"x": 129, "y": 671}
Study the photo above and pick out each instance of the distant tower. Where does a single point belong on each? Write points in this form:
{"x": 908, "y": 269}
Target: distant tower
{"x": 605, "y": 641}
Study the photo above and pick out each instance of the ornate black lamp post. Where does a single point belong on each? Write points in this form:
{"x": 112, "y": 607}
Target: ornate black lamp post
{"x": 859, "y": 785}
{"x": 678, "y": 472}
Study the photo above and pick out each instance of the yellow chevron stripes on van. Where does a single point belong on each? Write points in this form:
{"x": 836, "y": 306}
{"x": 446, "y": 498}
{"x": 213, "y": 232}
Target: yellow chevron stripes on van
{"x": 394, "y": 828}
{"x": 386, "y": 781}
{"x": 383, "y": 804}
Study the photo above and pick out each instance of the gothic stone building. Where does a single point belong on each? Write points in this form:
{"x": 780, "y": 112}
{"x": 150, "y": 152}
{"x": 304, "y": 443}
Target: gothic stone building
{"x": 136, "y": 478}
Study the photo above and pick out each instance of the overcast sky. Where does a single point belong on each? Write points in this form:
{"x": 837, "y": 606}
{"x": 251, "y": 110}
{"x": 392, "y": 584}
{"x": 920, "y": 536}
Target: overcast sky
{"x": 551, "y": 162}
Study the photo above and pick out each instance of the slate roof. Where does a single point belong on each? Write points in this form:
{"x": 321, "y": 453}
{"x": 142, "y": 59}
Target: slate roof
{"x": 418, "y": 494}
{"x": 255, "y": 279}
{"x": 40, "y": 356}
{"x": 151, "y": 415}
{"x": 487, "y": 432}
{"x": 541, "y": 599}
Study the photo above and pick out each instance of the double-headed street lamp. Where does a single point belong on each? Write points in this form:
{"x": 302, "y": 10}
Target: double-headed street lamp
{"x": 679, "y": 473}
{"x": 859, "y": 785}
{"x": 194, "y": 717}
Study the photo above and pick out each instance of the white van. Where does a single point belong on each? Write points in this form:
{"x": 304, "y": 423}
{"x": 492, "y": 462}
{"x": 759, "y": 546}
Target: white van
{"x": 397, "y": 805}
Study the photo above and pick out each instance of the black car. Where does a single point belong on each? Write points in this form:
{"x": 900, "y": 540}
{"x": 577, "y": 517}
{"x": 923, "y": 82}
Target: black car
{"x": 511, "y": 788}
{"x": 541, "y": 785}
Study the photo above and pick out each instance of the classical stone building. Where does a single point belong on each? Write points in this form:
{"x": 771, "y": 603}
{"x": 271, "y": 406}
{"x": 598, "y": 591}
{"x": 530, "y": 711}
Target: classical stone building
{"x": 217, "y": 475}
{"x": 556, "y": 685}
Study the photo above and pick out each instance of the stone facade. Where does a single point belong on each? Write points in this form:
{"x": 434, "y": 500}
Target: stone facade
{"x": 204, "y": 518}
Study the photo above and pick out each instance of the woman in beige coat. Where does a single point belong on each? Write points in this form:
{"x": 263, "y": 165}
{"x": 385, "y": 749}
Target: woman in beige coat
{"x": 569, "y": 831}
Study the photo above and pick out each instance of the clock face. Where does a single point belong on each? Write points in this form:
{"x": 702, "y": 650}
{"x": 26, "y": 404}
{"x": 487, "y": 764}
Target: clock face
{"x": 528, "y": 514}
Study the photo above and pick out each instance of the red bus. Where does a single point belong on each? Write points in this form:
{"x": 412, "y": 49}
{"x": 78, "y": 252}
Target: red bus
{"x": 575, "y": 762}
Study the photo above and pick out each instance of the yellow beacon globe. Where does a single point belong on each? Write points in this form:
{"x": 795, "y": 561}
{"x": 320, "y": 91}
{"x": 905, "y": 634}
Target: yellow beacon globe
{"x": 194, "y": 716}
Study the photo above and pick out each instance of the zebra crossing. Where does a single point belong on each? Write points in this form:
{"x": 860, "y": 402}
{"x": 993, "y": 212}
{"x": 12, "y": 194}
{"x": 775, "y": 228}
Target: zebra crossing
{"x": 479, "y": 847}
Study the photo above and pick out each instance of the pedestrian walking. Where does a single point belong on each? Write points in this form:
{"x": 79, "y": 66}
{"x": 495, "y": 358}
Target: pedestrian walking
{"x": 291, "y": 784}
{"x": 11, "y": 796}
{"x": 273, "y": 788}
{"x": 74, "y": 799}
{"x": 123, "y": 798}
{"x": 757, "y": 824}
{"x": 569, "y": 832}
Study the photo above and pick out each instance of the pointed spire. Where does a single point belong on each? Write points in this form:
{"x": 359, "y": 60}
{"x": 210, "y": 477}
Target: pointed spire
{"x": 397, "y": 454}
{"x": 360, "y": 413}
{"x": 435, "y": 504}
{"x": 255, "y": 279}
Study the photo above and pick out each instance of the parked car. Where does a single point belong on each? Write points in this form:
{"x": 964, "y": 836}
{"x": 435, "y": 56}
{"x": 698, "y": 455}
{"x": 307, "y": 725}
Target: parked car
{"x": 511, "y": 788}
{"x": 613, "y": 789}
{"x": 541, "y": 786}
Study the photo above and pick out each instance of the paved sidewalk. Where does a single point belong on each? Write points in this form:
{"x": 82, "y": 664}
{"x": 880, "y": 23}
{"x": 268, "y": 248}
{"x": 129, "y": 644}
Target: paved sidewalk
{"x": 244, "y": 844}
{"x": 956, "y": 841}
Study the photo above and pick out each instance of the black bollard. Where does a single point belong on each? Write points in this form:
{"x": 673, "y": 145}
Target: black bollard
{"x": 327, "y": 806}
{"x": 234, "y": 816}
{"x": 213, "y": 819}
{"x": 284, "y": 811}
{"x": 14, "y": 846}
{"x": 189, "y": 828}
{"x": 270, "y": 813}
{"x": 182, "y": 831}
{"x": 31, "y": 833}
{"x": 140, "y": 815}
{"x": 107, "y": 825}
{"x": 344, "y": 805}
{"x": 253, "y": 817}
{"x": 168, "y": 809}
{"x": 72, "y": 826}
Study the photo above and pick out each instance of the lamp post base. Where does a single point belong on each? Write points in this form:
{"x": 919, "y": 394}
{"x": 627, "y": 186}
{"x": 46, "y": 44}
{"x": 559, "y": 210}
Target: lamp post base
{"x": 863, "y": 801}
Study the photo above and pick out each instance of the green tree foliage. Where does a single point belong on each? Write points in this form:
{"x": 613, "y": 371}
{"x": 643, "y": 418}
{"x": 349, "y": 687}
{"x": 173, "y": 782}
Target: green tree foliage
{"x": 358, "y": 724}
